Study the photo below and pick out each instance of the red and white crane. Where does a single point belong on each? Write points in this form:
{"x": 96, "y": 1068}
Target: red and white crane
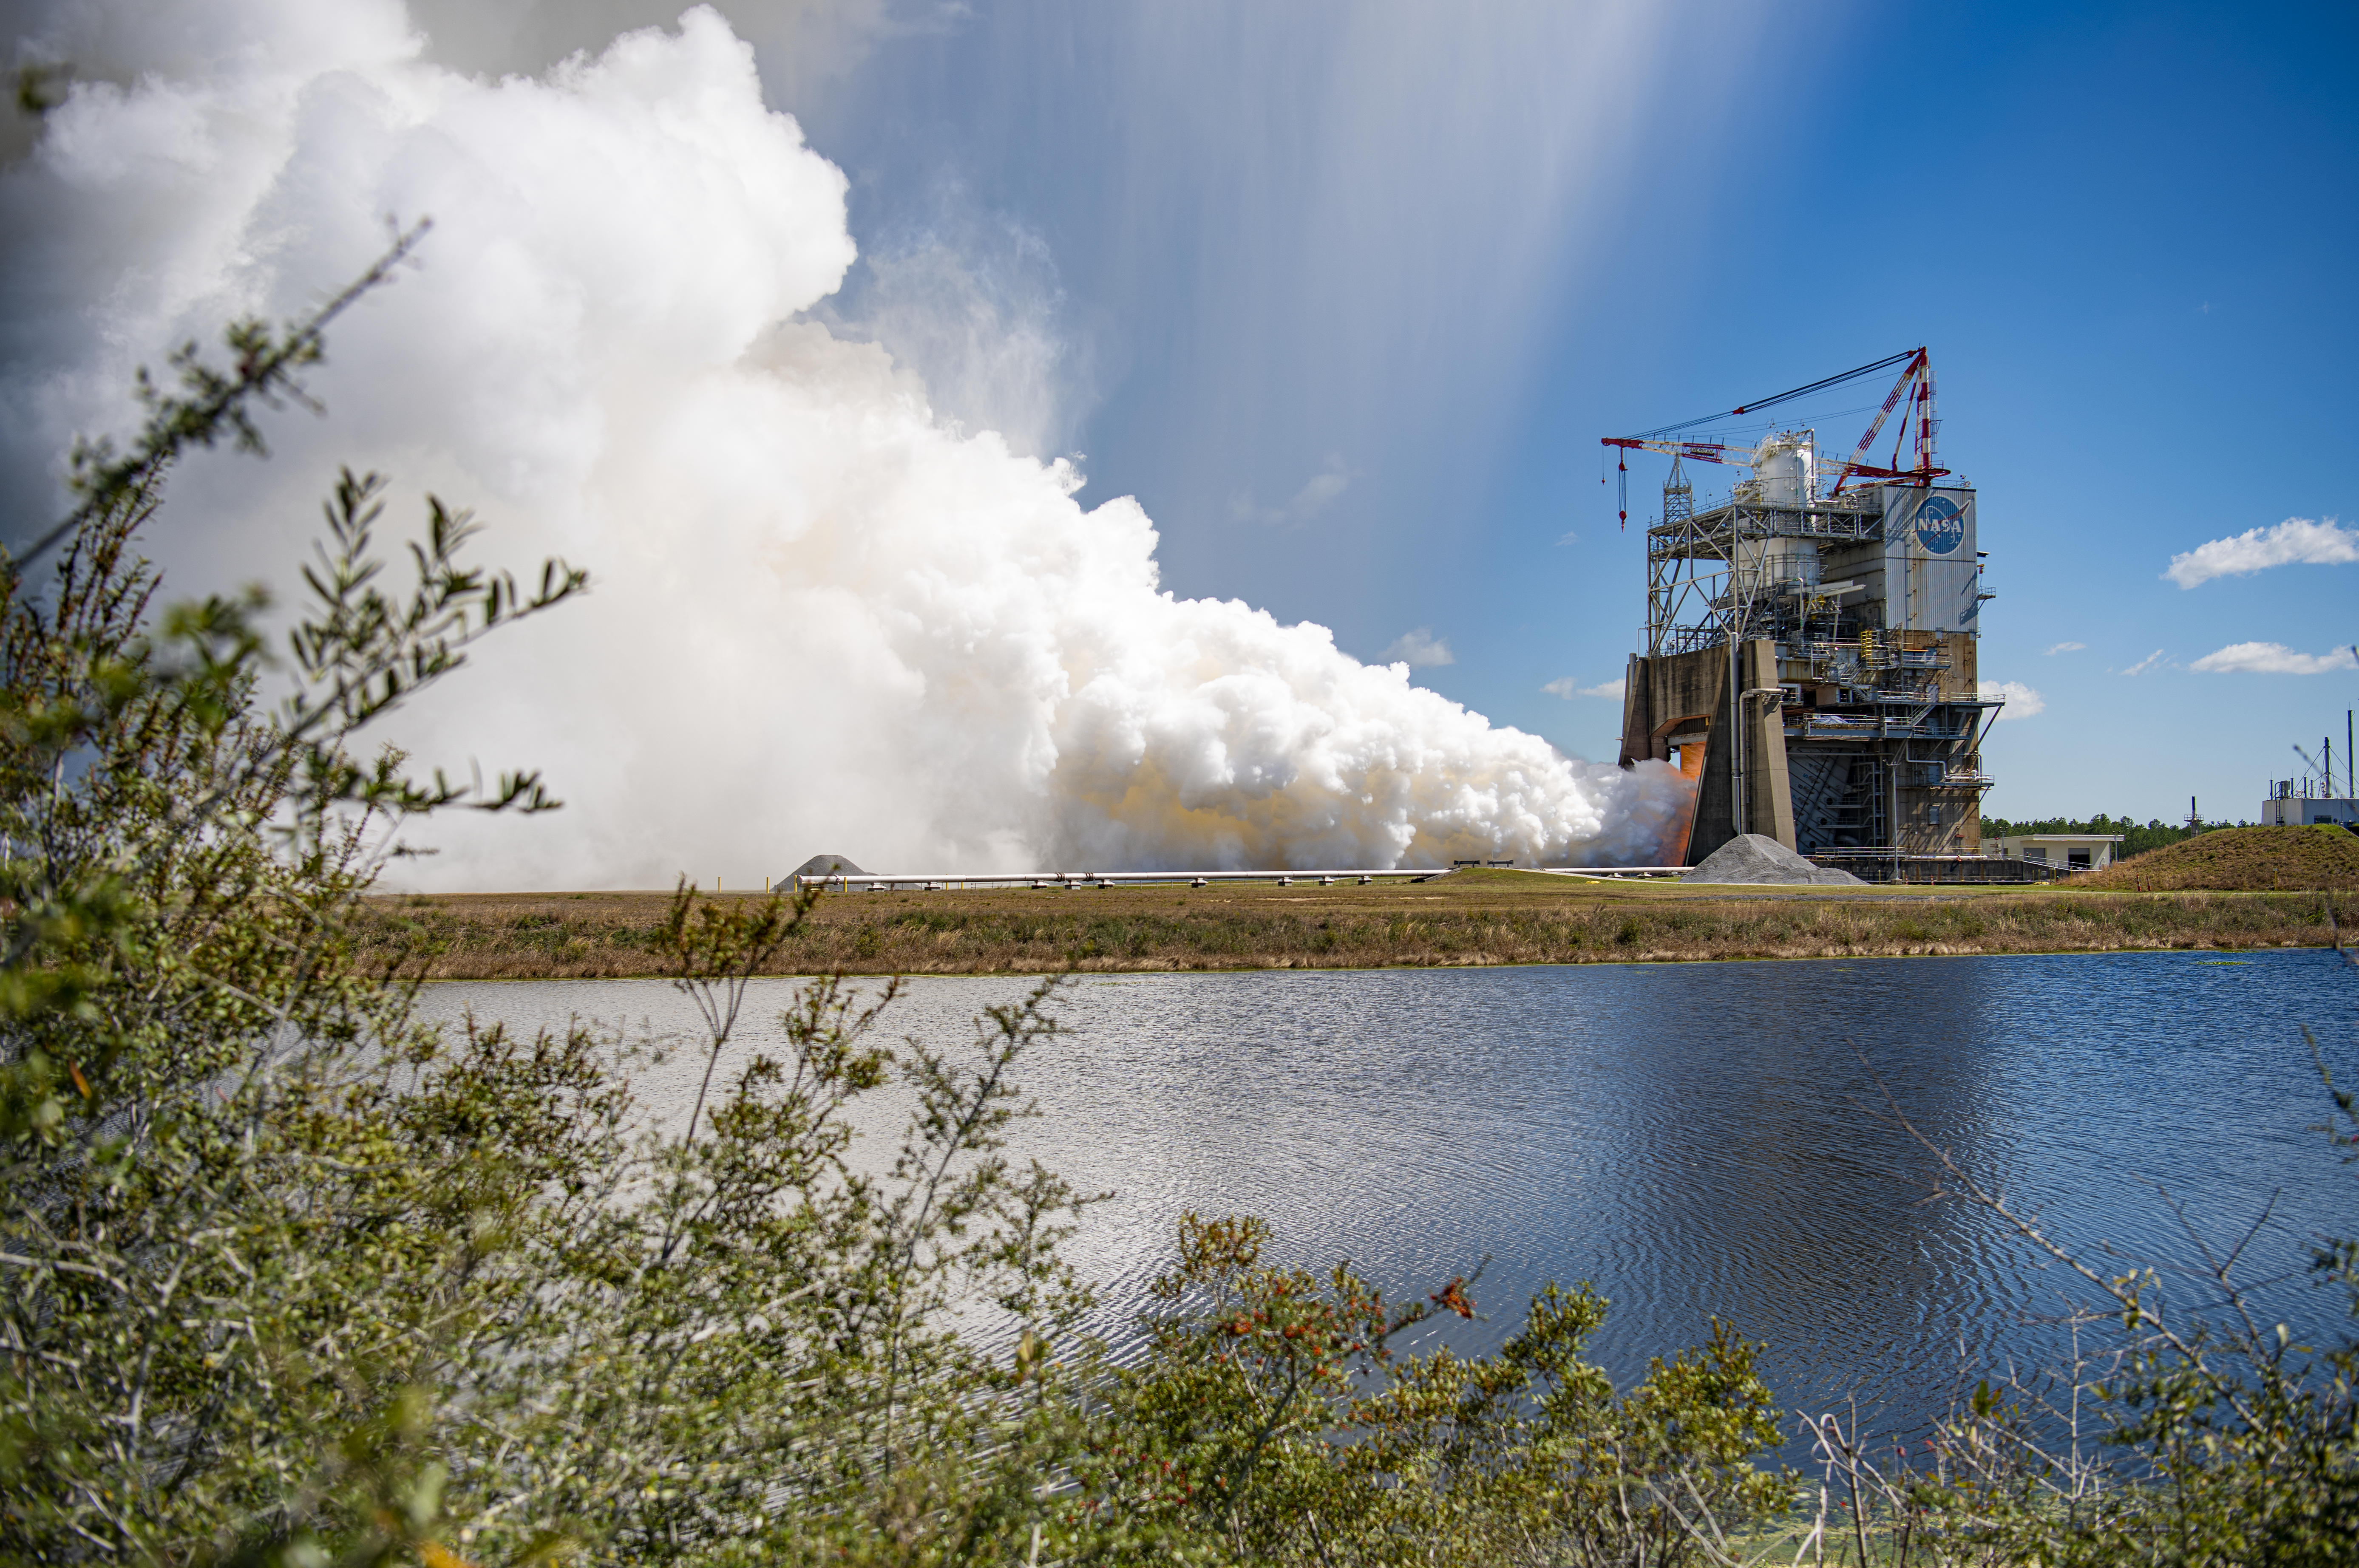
{"x": 1915, "y": 387}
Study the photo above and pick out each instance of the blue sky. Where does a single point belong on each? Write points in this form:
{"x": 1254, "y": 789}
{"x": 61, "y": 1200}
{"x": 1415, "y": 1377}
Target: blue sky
{"x": 2124, "y": 232}
{"x": 1345, "y": 294}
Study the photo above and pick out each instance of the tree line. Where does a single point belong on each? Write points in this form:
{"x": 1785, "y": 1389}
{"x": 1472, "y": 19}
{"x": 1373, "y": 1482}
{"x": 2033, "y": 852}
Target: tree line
{"x": 2137, "y": 838}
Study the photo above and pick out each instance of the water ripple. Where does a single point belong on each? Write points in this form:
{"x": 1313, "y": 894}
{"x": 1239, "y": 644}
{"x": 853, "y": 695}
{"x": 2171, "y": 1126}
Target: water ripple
{"x": 1695, "y": 1140}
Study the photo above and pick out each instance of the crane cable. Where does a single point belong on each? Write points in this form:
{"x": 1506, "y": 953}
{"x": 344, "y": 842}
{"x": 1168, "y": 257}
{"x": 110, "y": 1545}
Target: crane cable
{"x": 1884, "y": 363}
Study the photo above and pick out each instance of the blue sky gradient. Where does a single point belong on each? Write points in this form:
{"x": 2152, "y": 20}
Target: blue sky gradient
{"x": 2126, "y": 233}
{"x": 1346, "y": 293}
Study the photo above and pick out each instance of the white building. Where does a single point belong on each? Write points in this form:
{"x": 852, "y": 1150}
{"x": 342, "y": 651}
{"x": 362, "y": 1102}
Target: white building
{"x": 2075, "y": 852}
{"x": 2286, "y": 809}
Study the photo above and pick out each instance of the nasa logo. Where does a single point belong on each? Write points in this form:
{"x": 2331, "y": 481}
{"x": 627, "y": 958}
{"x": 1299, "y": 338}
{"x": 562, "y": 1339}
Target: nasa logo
{"x": 1941, "y": 527}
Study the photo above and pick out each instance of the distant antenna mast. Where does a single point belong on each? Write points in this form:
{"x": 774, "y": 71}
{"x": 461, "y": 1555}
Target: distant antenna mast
{"x": 2310, "y": 780}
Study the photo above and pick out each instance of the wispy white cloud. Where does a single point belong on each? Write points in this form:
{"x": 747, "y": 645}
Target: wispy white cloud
{"x": 2275, "y": 659}
{"x": 1321, "y": 488}
{"x": 2296, "y": 541}
{"x": 1567, "y": 537}
{"x": 1317, "y": 492}
{"x": 2022, "y": 702}
{"x": 2145, "y": 664}
{"x": 1569, "y": 688}
{"x": 2066, "y": 647}
{"x": 1420, "y": 649}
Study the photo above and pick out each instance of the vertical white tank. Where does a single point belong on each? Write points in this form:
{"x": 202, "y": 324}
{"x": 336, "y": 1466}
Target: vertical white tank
{"x": 1782, "y": 475}
{"x": 1782, "y": 466}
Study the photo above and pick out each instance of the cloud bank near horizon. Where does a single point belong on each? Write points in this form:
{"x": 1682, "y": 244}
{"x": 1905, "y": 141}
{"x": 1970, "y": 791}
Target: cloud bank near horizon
{"x": 824, "y": 617}
{"x": 2022, "y": 701}
{"x": 2275, "y": 659}
{"x": 2296, "y": 541}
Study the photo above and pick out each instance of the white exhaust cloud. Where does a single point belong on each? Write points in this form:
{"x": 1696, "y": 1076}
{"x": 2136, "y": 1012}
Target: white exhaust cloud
{"x": 824, "y": 616}
{"x": 969, "y": 304}
{"x": 2296, "y": 541}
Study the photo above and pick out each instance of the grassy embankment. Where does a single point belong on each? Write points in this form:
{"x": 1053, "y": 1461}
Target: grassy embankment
{"x": 1471, "y": 918}
{"x": 2247, "y": 860}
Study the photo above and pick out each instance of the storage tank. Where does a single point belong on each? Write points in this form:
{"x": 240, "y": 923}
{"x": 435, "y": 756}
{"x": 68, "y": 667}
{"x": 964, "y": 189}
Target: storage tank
{"x": 1782, "y": 481}
{"x": 1782, "y": 467}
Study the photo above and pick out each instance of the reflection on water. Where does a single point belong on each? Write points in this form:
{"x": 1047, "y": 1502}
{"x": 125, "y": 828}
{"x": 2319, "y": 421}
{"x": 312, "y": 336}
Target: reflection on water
{"x": 1693, "y": 1138}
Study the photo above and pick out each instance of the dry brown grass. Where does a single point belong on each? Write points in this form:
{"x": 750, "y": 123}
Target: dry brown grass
{"x": 1473, "y": 918}
{"x": 2247, "y": 860}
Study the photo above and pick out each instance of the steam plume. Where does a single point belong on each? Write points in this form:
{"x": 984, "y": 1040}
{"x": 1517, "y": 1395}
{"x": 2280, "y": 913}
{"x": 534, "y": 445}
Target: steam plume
{"x": 823, "y": 618}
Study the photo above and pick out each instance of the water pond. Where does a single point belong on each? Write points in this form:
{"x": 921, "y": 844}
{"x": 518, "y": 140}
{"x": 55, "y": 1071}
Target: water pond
{"x": 1696, "y": 1139}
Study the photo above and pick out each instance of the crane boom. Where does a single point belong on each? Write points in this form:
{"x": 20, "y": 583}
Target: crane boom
{"x": 1916, "y": 383}
{"x": 1915, "y": 387}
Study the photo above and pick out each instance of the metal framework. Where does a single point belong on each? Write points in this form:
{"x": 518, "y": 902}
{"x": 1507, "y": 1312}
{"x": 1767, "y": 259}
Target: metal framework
{"x": 1916, "y": 383}
{"x": 1719, "y": 574}
{"x": 1882, "y": 761}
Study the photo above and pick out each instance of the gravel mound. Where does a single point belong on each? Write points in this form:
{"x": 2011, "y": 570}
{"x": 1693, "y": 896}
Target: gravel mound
{"x": 825, "y": 866}
{"x": 1754, "y": 858}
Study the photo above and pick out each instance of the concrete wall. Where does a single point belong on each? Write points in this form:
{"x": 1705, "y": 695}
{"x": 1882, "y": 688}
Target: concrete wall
{"x": 1684, "y": 700}
{"x": 1665, "y": 698}
{"x": 1680, "y": 703}
{"x": 1768, "y": 792}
